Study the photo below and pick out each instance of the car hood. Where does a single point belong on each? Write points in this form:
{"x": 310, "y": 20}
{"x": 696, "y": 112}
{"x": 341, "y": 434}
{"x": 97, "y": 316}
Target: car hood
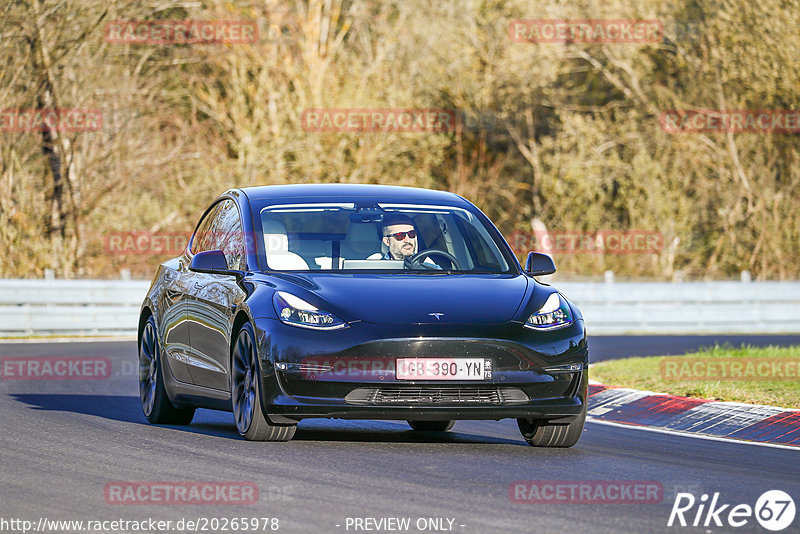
{"x": 403, "y": 299}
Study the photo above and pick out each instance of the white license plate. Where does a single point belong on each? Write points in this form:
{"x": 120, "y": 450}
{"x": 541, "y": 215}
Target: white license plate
{"x": 443, "y": 369}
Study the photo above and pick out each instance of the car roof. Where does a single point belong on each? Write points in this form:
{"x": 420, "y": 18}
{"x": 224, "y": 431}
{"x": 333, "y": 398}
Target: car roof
{"x": 362, "y": 192}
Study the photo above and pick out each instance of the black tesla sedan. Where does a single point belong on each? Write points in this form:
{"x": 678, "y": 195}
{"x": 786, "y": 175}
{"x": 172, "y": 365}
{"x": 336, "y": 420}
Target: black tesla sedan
{"x": 359, "y": 302}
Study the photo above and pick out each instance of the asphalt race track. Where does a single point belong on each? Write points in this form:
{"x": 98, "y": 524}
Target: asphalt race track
{"x": 63, "y": 442}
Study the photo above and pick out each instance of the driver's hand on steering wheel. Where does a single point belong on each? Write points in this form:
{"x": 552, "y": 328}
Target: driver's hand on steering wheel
{"x": 427, "y": 263}
{"x": 415, "y": 260}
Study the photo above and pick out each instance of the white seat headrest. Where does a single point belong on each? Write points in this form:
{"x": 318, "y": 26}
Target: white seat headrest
{"x": 275, "y": 238}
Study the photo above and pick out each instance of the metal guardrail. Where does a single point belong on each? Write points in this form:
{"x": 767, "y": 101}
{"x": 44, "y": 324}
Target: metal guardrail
{"x": 687, "y": 307}
{"x": 93, "y": 307}
{"x": 111, "y": 307}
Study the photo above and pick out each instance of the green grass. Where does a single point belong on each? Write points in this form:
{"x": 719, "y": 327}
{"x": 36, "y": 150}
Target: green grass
{"x": 648, "y": 374}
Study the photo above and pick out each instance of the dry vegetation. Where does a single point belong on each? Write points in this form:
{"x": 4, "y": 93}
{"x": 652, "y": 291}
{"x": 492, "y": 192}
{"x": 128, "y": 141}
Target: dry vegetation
{"x": 571, "y": 138}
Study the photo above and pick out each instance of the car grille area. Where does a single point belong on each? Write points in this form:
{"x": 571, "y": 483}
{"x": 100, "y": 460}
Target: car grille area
{"x": 439, "y": 396}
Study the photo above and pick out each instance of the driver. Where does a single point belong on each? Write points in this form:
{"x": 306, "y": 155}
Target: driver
{"x": 400, "y": 237}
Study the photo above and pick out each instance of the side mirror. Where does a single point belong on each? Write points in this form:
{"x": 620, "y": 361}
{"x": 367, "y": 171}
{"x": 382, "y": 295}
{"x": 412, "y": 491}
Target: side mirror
{"x": 211, "y": 262}
{"x": 538, "y": 264}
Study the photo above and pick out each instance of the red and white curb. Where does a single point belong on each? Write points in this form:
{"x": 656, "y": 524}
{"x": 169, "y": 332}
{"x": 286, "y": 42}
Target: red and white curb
{"x": 685, "y": 415}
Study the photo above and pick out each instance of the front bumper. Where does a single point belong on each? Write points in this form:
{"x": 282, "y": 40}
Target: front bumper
{"x": 350, "y": 373}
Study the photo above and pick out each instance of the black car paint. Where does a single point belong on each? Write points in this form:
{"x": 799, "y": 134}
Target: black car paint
{"x": 198, "y": 313}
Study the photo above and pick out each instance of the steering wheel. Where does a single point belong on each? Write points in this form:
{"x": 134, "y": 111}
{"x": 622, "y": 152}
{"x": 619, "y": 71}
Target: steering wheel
{"x": 415, "y": 261}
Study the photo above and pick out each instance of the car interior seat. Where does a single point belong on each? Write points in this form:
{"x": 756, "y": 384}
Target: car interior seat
{"x": 276, "y": 243}
{"x": 361, "y": 241}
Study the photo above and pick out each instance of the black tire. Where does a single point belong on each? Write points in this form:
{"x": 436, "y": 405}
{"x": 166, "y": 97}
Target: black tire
{"x": 431, "y": 426}
{"x": 540, "y": 434}
{"x": 156, "y": 406}
{"x": 251, "y": 421}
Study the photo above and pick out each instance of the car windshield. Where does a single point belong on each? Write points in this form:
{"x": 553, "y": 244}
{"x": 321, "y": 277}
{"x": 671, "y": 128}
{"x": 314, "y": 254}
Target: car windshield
{"x": 380, "y": 237}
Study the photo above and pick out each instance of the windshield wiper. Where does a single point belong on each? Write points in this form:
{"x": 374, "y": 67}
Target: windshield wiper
{"x": 447, "y": 271}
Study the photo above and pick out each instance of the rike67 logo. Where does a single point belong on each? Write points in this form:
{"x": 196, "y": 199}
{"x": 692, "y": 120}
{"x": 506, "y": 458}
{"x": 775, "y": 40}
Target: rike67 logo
{"x": 774, "y": 510}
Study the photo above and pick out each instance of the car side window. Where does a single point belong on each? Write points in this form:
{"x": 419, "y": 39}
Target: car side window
{"x": 202, "y": 237}
{"x": 227, "y": 234}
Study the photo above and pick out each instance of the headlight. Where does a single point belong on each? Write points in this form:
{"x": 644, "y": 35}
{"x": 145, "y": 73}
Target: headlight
{"x": 554, "y": 314}
{"x": 297, "y": 312}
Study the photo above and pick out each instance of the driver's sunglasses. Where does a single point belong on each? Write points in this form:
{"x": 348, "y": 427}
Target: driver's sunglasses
{"x": 402, "y": 235}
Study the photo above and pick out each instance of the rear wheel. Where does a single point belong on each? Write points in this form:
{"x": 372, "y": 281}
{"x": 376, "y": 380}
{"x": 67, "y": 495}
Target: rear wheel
{"x": 156, "y": 406}
{"x": 432, "y": 426}
{"x": 251, "y": 421}
{"x": 541, "y": 434}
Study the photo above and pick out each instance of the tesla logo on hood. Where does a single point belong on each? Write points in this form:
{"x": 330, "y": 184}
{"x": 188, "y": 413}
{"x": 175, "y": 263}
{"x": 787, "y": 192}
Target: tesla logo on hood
{"x": 437, "y": 315}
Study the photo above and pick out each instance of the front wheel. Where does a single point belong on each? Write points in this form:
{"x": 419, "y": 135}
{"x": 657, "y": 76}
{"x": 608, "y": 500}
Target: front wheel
{"x": 541, "y": 434}
{"x": 155, "y": 403}
{"x": 251, "y": 421}
{"x": 431, "y": 426}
